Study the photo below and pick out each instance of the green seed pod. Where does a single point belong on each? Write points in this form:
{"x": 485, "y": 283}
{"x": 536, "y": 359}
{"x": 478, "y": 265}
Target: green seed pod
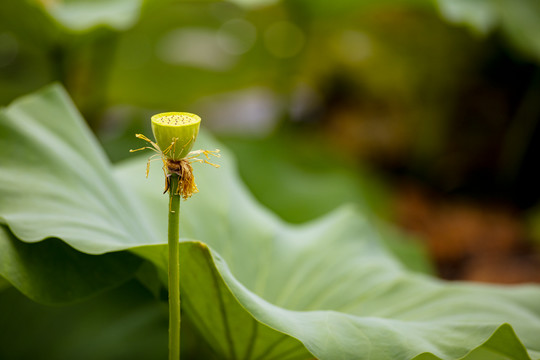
{"x": 175, "y": 133}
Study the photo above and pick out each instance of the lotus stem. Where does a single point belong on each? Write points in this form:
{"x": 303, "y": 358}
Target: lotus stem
{"x": 174, "y": 270}
{"x": 175, "y": 134}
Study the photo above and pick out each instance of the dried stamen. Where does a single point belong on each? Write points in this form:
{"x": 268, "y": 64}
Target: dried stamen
{"x": 182, "y": 168}
{"x": 186, "y": 180}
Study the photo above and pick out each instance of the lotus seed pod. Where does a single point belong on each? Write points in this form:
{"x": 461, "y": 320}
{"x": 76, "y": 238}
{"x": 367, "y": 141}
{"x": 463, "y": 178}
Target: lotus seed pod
{"x": 175, "y": 133}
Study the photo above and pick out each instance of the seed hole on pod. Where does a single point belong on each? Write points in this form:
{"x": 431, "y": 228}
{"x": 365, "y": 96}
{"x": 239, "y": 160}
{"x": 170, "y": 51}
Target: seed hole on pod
{"x": 176, "y": 119}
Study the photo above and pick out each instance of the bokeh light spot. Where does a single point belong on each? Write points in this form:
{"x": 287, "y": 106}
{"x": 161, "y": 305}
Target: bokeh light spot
{"x": 284, "y": 39}
{"x": 237, "y": 36}
{"x": 195, "y": 47}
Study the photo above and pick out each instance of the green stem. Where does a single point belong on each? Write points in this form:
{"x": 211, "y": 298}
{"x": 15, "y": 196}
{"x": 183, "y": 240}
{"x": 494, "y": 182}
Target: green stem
{"x": 174, "y": 270}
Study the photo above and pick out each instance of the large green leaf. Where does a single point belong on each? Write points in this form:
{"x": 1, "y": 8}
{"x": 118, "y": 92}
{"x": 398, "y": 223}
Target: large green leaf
{"x": 53, "y": 272}
{"x": 328, "y": 9}
{"x": 4, "y": 284}
{"x": 76, "y": 15}
{"x": 256, "y": 287}
{"x": 85, "y": 14}
{"x": 124, "y": 323}
{"x": 334, "y": 264}
{"x": 283, "y": 172}
{"x": 56, "y": 181}
{"x": 519, "y": 21}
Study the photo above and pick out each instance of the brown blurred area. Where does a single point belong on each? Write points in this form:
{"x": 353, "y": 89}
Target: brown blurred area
{"x": 469, "y": 239}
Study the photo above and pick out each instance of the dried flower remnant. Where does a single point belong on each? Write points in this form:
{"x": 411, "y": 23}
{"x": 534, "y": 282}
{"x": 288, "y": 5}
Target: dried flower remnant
{"x": 175, "y": 134}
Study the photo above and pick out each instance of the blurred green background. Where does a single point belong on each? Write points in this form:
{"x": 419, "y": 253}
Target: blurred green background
{"x": 423, "y": 113}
